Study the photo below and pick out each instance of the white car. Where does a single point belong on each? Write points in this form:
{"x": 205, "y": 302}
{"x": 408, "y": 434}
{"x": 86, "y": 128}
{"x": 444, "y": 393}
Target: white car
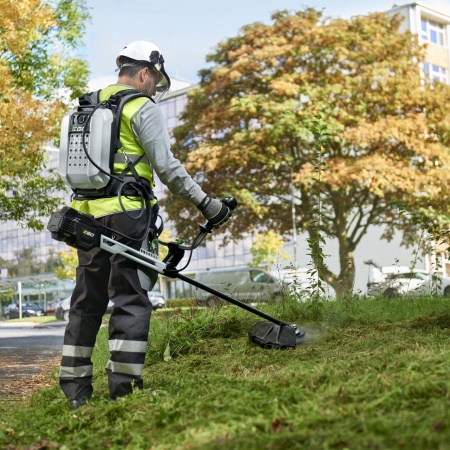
{"x": 304, "y": 283}
{"x": 63, "y": 306}
{"x": 394, "y": 281}
{"x": 157, "y": 299}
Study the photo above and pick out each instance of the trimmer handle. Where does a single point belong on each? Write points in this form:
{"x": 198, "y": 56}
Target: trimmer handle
{"x": 230, "y": 201}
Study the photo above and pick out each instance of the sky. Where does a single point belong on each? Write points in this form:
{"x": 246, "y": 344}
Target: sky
{"x": 186, "y": 31}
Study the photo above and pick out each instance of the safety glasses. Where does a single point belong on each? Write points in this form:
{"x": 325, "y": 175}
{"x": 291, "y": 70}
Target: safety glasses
{"x": 156, "y": 75}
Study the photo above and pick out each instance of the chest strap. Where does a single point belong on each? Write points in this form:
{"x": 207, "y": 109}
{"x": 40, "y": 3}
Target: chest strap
{"x": 113, "y": 188}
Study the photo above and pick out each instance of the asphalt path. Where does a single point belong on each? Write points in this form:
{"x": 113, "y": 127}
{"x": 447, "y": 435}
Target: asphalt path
{"x": 27, "y": 351}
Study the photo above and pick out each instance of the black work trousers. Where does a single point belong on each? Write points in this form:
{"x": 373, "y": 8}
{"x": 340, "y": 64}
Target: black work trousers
{"x": 100, "y": 277}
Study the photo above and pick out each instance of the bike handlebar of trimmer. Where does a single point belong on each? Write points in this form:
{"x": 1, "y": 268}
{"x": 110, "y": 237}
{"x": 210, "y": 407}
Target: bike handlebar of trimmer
{"x": 228, "y": 201}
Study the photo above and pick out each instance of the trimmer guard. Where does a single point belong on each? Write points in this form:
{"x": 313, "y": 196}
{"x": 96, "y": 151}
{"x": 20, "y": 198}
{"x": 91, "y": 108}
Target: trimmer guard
{"x": 271, "y": 335}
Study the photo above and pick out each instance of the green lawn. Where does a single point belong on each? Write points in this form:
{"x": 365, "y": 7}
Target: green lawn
{"x": 374, "y": 374}
{"x": 40, "y": 319}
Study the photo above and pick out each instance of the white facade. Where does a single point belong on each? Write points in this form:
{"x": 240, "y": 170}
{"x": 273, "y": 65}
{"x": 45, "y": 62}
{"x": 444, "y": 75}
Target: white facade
{"x": 433, "y": 29}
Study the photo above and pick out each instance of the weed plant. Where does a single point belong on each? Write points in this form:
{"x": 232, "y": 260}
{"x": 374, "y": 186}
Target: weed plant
{"x": 371, "y": 374}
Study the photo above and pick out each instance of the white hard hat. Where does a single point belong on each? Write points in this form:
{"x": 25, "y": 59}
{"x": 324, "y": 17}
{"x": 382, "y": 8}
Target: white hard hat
{"x": 151, "y": 54}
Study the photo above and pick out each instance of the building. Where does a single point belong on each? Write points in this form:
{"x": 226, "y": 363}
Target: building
{"x": 433, "y": 30}
{"x": 213, "y": 254}
{"x": 28, "y": 259}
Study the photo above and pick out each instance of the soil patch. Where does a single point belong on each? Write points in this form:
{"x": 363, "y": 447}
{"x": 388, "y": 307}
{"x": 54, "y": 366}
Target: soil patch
{"x": 27, "y": 371}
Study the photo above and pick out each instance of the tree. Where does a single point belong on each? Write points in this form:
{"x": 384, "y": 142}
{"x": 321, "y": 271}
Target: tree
{"x": 69, "y": 260}
{"x": 248, "y": 131}
{"x": 26, "y": 262}
{"x": 39, "y": 71}
{"x": 266, "y": 249}
{"x": 166, "y": 236}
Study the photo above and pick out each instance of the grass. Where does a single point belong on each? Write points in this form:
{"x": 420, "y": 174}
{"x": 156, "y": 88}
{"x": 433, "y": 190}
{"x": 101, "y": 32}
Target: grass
{"x": 374, "y": 374}
{"x": 40, "y": 319}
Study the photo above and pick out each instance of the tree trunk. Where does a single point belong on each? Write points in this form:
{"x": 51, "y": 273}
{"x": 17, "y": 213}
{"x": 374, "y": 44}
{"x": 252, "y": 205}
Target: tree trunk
{"x": 344, "y": 281}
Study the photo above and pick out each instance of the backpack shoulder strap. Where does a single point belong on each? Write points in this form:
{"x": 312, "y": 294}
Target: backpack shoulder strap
{"x": 117, "y": 102}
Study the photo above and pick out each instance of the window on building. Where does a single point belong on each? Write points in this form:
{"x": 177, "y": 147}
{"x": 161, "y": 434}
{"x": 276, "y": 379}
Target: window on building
{"x": 432, "y": 32}
{"x": 435, "y": 73}
{"x": 171, "y": 110}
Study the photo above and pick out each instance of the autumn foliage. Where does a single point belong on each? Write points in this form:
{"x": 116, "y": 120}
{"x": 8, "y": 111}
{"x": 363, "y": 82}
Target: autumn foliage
{"x": 247, "y": 130}
{"x": 39, "y": 72}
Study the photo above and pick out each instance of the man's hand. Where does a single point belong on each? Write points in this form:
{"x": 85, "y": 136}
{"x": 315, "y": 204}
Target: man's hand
{"x": 215, "y": 211}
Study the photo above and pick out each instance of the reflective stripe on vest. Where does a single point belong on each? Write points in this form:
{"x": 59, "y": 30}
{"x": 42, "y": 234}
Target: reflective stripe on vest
{"x": 105, "y": 206}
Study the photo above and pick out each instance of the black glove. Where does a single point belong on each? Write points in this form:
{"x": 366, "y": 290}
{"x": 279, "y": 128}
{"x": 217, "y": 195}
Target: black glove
{"x": 215, "y": 211}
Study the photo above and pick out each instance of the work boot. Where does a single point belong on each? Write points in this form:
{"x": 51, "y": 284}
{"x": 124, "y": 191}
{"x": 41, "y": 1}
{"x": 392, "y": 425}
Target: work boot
{"x": 77, "y": 403}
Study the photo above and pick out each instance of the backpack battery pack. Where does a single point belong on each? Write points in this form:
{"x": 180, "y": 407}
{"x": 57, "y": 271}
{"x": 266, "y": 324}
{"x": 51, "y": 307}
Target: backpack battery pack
{"x": 75, "y": 168}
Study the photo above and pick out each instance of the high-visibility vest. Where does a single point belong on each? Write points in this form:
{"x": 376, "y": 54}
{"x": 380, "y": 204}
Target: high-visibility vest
{"x": 104, "y": 206}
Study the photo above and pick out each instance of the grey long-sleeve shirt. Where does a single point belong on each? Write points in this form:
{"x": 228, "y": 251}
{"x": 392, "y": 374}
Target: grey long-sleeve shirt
{"x": 151, "y": 134}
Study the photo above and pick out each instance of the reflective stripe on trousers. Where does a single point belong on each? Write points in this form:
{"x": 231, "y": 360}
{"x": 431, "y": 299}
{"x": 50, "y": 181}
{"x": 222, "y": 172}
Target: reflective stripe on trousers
{"x": 121, "y": 345}
{"x": 124, "y": 351}
{"x": 77, "y": 354}
{"x": 125, "y": 368}
{"x": 75, "y": 372}
{"x": 77, "y": 351}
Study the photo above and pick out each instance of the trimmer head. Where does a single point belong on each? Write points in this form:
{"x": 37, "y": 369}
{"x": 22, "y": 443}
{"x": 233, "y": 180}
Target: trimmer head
{"x": 271, "y": 335}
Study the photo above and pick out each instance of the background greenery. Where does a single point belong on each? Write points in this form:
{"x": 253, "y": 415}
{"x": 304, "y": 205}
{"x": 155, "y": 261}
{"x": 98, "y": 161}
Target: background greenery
{"x": 40, "y": 72}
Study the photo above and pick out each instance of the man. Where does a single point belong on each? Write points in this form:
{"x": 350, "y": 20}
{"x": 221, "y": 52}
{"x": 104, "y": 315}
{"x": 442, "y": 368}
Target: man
{"x": 102, "y": 276}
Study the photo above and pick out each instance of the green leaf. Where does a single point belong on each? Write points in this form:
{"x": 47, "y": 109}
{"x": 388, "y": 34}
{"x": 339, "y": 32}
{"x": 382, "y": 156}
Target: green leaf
{"x": 166, "y": 355}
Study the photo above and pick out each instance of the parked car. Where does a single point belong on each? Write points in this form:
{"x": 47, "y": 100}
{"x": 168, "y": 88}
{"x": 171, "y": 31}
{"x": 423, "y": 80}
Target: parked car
{"x": 28, "y": 310}
{"x": 304, "y": 284}
{"x": 157, "y": 299}
{"x": 51, "y": 306}
{"x": 62, "y": 307}
{"x": 394, "y": 281}
{"x": 243, "y": 283}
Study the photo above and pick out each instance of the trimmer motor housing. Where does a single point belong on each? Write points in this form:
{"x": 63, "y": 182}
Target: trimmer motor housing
{"x": 76, "y": 229}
